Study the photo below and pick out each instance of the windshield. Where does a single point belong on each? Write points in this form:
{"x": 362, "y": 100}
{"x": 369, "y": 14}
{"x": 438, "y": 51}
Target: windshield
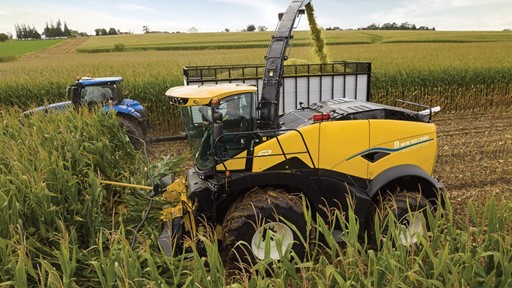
{"x": 197, "y": 121}
{"x": 97, "y": 94}
{"x": 238, "y": 115}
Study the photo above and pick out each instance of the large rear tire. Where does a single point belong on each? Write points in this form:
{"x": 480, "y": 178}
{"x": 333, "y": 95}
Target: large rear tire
{"x": 254, "y": 227}
{"x": 133, "y": 131}
{"x": 410, "y": 211}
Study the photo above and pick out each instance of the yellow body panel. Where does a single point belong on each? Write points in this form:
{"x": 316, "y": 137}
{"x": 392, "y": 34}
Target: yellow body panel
{"x": 269, "y": 153}
{"x": 339, "y": 146}
{"x": 407, "y": 143}
{"x": 198, "y": 95}
{"x": 339, "y": 140}
{"x": 235, "y": 163}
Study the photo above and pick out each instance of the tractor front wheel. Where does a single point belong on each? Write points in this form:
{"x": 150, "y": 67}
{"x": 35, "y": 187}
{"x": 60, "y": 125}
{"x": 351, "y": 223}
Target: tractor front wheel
{"x": 263, "y": 224}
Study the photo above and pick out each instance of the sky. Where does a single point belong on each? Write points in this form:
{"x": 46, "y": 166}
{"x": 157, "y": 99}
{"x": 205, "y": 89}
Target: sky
{"x": 218, "y": 15}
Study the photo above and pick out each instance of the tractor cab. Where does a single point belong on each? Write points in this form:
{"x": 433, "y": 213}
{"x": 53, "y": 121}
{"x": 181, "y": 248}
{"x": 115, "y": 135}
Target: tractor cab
{"x": 215, "y": 118}
{"x": 93, "y": 91}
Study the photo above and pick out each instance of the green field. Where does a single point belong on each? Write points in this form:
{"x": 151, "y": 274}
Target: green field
{"x": 61, "y": 228}
{"x": 426, "y": 68}
{"x": 185, "y": 41}
{"x": 18, "y": 48}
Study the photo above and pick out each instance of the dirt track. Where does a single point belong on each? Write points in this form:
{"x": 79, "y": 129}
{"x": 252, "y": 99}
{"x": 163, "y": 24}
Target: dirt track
{"x": 66, "y": 47}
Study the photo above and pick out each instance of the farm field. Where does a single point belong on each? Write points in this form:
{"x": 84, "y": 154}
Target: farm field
{"x": 18, "y": 48}
{"x": 55, "y": 235}
{"x": 435, "y": 72}
{"x": 204, "y": 41}
{"x": 475, "y": 157}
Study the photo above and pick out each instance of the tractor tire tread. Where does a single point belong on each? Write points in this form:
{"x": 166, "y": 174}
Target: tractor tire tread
{"x": 259, "y": 200}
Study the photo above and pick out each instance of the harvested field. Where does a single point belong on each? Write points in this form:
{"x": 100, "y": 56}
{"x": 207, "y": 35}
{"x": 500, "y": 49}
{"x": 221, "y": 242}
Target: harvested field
{"x": 475, "y": 157}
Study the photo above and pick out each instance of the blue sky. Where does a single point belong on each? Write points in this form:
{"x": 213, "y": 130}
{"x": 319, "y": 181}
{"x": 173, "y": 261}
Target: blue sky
{"x": 216, "y": 15}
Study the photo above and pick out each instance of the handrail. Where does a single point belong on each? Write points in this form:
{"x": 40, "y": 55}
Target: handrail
{"x": 257, "y": 135}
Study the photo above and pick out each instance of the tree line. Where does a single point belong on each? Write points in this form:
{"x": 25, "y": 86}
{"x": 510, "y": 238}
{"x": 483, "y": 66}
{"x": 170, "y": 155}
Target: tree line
{"x": 395, "y": 26}
{"x": 57, "y": 30}
{"x": 26, "y": 32}
{"x": 103, "y": 31}
{"x": 389, "y": 26}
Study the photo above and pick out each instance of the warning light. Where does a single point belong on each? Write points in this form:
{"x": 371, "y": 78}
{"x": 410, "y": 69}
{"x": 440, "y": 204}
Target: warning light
{"x": 321, "y": 117}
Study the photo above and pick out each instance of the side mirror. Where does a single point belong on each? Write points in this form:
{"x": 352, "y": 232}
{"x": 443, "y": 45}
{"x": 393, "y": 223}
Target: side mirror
{"x": 217, "y": 117}
{"x": 74, "y": 91}
{"x": 218, "y": 130}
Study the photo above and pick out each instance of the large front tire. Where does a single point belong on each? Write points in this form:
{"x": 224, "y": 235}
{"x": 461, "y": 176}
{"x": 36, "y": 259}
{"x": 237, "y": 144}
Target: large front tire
{"x": 410, "y": 213}
{"x": 262, "y": 225}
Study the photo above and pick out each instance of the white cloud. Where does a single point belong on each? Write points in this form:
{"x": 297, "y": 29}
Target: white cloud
{"x": 215, "y": 15}
{"x": 261, "y": 12}
{"x": 132, "y": 7}
{"x": 447, "y": 14}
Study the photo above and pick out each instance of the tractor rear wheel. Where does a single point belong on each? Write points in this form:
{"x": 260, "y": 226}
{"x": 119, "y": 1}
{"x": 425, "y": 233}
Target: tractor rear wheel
{"x": 133, "y": 131}
{"x": 263, "y": 224}
{"x": 410, "y": 213}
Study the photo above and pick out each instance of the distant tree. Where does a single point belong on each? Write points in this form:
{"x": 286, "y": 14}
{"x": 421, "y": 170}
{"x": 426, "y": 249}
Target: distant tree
{"x": 3, "y": 37}
{"x": 395, "y": 26}
{"x": 101, "y": 31}
{"x": 226, "y": 30}
{"x": 145, "y": 29}
{"x": 73, "y": 33}
{"x": 17, "y": 31}
{"x": 58, "y": 29}
{"x": 251, "y": 28}
{"x": 26, "y": 32}
{"x": 34, "y": 34}
{"x": 66, "y": 32}
{"x": 262, "y": 28}
{"x": 406, "y": 26}
{"x": 52, "y": 32}
{"x": 389, "y": 26}
{"x": 373, "y": 26}
{"x": 112, "y": 31}
{"x": 46, "y": 30}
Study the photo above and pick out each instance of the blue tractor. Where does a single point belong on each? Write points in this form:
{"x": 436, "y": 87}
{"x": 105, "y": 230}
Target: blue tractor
{"x": 104, "y": 91}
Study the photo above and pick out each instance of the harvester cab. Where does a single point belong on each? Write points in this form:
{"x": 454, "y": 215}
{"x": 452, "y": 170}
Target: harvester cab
{"x": 255, "y": 163}
{"x": 211, "y": 112}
